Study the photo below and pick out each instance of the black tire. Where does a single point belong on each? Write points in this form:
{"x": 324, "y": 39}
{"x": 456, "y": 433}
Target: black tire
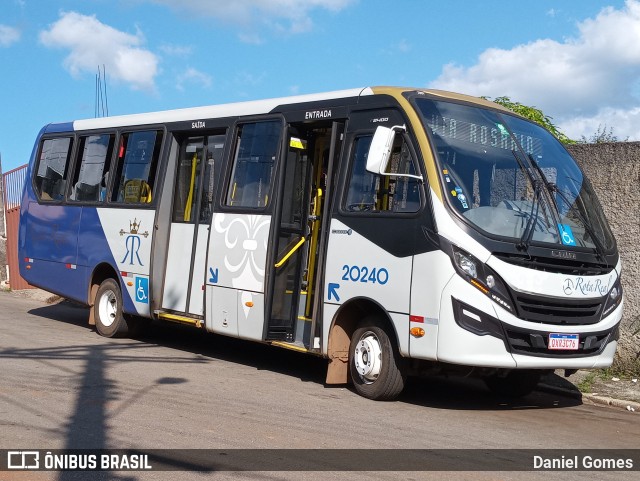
{"x": 516, "y": 384}
{"x": 375, "y": 365}
{"x": 110, "y": 322}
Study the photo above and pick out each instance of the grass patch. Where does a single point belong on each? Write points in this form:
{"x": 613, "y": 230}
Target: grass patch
{"x": 586, "y": 384}
{"x": 603, "y": 375}
{"x": 621, "y": 370}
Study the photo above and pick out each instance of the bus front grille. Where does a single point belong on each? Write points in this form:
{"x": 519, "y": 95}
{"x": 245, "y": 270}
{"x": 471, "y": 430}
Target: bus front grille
{"x": 559, "y": 311}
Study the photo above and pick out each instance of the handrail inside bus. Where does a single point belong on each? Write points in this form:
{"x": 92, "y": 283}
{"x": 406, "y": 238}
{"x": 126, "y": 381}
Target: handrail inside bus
{"x": 291, "y": 252}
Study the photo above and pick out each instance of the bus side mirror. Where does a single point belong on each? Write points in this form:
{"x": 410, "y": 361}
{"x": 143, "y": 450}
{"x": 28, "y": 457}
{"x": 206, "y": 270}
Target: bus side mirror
{"x": 380, "y": 151}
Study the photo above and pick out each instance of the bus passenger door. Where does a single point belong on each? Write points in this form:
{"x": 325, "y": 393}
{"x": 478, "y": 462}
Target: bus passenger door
{"x": 184, "y": 279}
{"x": 290, "y": 237}
{"x": 298, "y": 236}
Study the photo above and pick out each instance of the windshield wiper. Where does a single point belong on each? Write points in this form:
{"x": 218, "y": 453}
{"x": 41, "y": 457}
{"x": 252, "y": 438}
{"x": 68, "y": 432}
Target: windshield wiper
{"x": 552, "y": 188}
{"x": 530, "y": 228}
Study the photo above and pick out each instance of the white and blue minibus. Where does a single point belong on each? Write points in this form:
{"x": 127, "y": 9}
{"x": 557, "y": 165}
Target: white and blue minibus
{"x": 390, "y": 230}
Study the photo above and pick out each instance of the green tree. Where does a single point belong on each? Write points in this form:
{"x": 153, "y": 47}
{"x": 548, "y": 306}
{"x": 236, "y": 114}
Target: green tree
{"x": 601, "y": 136}
{"x": 534, "y": 114}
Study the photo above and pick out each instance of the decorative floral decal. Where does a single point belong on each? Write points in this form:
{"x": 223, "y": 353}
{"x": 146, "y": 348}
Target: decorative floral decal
{"x": 245, "y": 239}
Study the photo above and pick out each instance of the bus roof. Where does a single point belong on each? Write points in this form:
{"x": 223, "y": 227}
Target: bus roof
{"x": 257, "y": 107}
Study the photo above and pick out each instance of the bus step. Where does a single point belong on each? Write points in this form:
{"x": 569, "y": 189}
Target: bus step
{"x": 294, "y": 346}
{"x": 171, "y": 317}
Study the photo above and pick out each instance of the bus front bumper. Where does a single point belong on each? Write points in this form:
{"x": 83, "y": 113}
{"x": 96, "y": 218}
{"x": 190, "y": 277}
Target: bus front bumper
{"x": 475, "y": 331}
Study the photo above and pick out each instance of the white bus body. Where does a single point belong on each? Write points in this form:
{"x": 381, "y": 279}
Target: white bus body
{"x": 466, "y": 236}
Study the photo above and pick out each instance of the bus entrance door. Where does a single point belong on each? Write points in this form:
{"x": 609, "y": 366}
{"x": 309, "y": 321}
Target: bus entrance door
{"x": 298, "y": 234}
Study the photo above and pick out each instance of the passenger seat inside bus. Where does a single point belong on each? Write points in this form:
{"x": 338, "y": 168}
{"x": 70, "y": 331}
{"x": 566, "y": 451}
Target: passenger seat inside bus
{"x": 137, "y": 190}
{"x": 52, "y": 185}
{"x": 84, "y": 191}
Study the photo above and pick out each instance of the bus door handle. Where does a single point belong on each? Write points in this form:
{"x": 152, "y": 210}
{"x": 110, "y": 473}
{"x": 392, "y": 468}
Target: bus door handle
{"x": 285, "y": 258}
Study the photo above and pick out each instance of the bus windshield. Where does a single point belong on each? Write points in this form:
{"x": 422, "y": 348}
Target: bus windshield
{"x": 509, "y": 177}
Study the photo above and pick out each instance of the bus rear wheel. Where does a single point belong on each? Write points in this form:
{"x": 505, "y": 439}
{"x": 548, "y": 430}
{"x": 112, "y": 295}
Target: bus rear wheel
{"x": 110, "y": 321}
{"x": 375, "y": 365}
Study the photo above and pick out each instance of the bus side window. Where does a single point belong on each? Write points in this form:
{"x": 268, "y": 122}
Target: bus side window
{"x": 254, "y": 164}
{"x": 90, "y": 178}
{"x": 198, "y": 157}
{"x": 51, "y": 176}
{"x": 137, "y": 161}
{"x": 383, "y": 193}
{"x": 187, "y": 180}
{"x": 214, "y": 158}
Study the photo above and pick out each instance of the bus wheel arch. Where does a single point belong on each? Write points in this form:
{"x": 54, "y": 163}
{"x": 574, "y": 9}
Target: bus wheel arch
{"x": 351, "y": 317}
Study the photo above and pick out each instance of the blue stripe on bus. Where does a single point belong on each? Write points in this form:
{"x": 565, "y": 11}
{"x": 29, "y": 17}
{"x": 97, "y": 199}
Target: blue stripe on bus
{"x": 93, "y": 249}
{"x": 59, "y": 127}
{"x": 60, "y": 235}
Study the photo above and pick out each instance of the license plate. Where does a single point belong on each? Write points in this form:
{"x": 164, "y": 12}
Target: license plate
{"x": 564, "y": 342}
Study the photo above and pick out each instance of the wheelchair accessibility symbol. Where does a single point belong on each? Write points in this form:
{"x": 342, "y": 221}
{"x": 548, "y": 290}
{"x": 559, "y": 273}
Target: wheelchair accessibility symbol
{"x": 142, "y": 290}
{"x": 566, "y": 235}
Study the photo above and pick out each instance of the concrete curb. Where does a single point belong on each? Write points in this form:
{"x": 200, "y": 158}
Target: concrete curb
{"x": 602, "y": 400}
{"x": 618, "y": 403}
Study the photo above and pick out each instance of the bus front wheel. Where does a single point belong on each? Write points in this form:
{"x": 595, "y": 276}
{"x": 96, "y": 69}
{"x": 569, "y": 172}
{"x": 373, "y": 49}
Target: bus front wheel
{"x": 110, "y": 321}
{"x": 375, "y": 365}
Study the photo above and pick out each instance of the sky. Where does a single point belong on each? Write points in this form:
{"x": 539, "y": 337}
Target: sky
{"x": 576, "y": 60}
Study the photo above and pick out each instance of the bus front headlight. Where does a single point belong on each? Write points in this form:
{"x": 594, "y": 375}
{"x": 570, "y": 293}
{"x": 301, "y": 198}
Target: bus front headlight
{"x": 483, "y": 278}
{"x": 466, "y": 263}
{"x": 614, "y": 298}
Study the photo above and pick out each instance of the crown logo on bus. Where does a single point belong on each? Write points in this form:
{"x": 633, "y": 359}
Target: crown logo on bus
{"x": 134, "y": 227}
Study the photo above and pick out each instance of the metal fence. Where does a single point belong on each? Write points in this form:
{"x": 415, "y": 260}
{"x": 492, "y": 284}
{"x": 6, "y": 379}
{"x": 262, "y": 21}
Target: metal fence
{"x": 12, "y": 187}
{"x": 12, "y": 184}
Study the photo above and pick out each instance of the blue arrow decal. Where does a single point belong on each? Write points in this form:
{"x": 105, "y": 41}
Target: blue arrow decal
{"x": 214, "y": 275}
{"x": 333, "y": 291}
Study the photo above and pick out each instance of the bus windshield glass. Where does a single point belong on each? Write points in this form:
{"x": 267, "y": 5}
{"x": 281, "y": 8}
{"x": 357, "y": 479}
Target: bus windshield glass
{"x": 509, "y": 177}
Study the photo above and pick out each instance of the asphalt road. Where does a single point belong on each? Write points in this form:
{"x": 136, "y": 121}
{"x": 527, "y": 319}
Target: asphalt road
{"x": 62, "y": 386}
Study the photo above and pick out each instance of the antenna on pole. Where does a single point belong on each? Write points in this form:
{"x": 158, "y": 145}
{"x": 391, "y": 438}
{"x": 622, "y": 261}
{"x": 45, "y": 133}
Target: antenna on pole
{"x": 99, "y": 93}
{"x": 106, "y": 101}
{"x": 101, "y": 105}
{"x": 95, "y": 98}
